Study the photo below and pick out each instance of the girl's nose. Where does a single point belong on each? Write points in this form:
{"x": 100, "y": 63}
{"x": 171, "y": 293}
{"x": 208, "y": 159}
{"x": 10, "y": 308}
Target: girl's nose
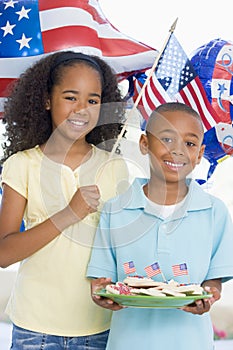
{"x": 79, "y": 107}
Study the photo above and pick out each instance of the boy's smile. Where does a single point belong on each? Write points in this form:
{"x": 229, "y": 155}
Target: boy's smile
{"x": 174, "y": 166}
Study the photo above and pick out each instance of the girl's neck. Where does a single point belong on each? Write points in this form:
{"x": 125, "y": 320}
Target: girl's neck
{"x": 165, "y": 193}
{"x": 70, "y": 154}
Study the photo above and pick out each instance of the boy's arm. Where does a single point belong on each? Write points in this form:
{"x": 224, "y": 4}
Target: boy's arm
{"x": 101, "y": 283}
{"x": 201, "y": 306}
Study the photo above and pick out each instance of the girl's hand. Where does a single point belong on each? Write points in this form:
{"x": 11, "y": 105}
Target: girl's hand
{"x": 85, "y": 201}
{"x": 201, "y": 306}
{"x": 101, "y": 283}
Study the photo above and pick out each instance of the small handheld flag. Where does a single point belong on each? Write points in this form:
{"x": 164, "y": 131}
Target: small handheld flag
{"x": 129, "y": 267}
{"x": 152, "y": 270}
{"x": 180, "y": 269}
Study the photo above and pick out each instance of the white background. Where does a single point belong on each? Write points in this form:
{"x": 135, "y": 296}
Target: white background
{"x": 149, "y": 21}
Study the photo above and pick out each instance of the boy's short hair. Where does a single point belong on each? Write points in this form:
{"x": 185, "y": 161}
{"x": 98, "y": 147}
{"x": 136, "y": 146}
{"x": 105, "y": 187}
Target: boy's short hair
{"x": 172, "y": 107}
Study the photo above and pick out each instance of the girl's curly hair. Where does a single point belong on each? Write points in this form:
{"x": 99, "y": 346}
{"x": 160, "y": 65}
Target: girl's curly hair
{"x": 27, "y": 121}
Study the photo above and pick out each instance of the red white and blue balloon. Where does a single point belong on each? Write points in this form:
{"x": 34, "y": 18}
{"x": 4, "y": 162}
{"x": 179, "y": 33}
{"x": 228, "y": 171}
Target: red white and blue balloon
{"x": 213, "y": 62}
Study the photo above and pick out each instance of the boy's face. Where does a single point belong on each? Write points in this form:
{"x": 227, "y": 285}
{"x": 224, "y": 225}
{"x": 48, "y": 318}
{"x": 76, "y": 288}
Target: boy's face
{"x": 174, "y": 144}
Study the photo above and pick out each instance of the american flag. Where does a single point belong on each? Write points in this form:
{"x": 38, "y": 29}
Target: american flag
{"x": 152, "y": 270}
{"x": 30, "y": 29}
{"x": 129, "y": 267}
{"x": 179, "y": 82}
{"x": 153, "y": 96}
{"x": 180, "y": 269}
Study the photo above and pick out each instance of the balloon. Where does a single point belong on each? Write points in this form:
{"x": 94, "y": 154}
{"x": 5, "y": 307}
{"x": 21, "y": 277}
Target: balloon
{"x": 213, "y": 62}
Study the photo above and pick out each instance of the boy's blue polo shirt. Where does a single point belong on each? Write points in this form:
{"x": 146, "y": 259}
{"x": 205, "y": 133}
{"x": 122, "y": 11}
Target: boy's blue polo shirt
{"x": 199, "y": 234}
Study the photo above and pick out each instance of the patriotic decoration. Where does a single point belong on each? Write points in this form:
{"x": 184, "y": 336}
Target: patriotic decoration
{"x": 214, "y": 64}
{"x": 153, "y": 96}
{"x": 30, "y": 29}
{"x": 175, "y": 79}
{"x": 152, "y": 270}
{"x": 129, "y": 267}
{"x": 180, "y": 269}
{"x": 179, "y": 79}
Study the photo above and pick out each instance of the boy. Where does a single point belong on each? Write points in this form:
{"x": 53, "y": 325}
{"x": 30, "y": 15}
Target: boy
{"x": 167, "y": 219}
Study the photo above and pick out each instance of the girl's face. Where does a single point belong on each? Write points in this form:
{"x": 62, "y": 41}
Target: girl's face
{"x": 75, "y": 102}
{"x": 174, "y": 145}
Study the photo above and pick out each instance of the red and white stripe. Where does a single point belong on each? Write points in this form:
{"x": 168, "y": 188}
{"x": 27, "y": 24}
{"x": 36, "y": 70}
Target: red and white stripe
{"x": 194, "y": 95}
{"x": 152, "y": 96}
{"x": 177, "y": 271}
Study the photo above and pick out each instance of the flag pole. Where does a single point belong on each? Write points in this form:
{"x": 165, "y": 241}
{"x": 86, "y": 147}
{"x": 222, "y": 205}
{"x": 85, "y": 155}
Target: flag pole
{"x": 171, "y": 30}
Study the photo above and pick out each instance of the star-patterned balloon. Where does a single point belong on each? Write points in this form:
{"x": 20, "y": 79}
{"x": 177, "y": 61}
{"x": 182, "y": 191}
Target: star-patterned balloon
{"x": 213, "y": 62}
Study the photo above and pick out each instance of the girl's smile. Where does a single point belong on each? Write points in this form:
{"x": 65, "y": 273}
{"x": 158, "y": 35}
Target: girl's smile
{"x": 78, "y": 123}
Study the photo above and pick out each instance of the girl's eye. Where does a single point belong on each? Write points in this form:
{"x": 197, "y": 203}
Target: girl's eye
{"x": 70, "y": 98}
{"x": 93, "y": 102}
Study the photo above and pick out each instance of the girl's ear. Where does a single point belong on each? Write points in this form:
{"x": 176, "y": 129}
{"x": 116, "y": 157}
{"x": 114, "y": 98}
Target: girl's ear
{"x": 47, "y": 105}
{"x": 143, "y": 144}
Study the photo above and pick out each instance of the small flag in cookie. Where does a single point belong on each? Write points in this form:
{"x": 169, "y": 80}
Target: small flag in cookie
{"x": 129, "y": 267}
{"x": 152, "y": 270}
{"x": 180, "y": 269}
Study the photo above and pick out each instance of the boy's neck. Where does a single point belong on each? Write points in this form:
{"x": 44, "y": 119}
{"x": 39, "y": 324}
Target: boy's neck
{"x": 165, "y": 193}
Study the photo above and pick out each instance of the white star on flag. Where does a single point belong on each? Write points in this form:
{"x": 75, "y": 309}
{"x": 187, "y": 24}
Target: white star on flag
{"x": 10, "y": 3}
{"x": 8, "y": 28}
{"x": 23, "y": 13}
{"x": 24, "y": 42}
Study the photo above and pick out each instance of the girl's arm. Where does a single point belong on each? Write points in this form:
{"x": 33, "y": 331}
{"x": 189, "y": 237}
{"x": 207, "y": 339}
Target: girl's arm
{"x": 201, "y": 306}
{"x": 16, "y": 246}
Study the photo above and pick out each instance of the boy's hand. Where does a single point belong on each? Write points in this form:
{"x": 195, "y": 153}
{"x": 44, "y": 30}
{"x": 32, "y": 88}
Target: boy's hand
{"x": 201, "y": 306}
{"x": 101, "y": 283}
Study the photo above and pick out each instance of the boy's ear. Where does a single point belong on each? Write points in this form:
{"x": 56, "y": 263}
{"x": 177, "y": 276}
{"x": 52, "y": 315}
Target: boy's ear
{"x": 143, "y": 144}
{"x": 47, "y": 105}
{"x": 201, "y": 152}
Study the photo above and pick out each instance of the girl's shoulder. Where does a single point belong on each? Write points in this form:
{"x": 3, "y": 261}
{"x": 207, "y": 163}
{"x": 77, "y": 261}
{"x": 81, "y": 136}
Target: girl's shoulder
{"x": 24, "y": 156}
{"x": 98, "y": 152}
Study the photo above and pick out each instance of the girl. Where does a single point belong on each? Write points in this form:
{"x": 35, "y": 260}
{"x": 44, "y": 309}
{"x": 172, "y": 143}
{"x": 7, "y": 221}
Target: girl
{"x": 55, "y": 117}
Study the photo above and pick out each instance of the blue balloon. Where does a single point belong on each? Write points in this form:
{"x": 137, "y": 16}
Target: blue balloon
{"x": 213, "y": 62}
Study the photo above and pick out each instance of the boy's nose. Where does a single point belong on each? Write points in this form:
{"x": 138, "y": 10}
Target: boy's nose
{"x": 178, "y": 152}
{"x": 178, "y": 149}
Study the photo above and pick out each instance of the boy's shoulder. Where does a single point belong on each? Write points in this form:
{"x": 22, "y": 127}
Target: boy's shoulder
{"x": 201, "y": 198}
{"x": 131, "y": 198}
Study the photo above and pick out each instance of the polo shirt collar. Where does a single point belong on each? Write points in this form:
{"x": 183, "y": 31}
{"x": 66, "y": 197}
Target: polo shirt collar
{"x": 196, "y": 199}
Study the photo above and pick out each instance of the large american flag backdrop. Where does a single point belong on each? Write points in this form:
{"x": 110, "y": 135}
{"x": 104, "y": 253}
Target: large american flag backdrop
{"x": 32, "y": 28}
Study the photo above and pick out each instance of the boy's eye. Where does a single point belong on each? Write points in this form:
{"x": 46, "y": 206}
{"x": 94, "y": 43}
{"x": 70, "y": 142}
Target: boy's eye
{"x": 190, "y": 144}
{"x": 167, "y": 139}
